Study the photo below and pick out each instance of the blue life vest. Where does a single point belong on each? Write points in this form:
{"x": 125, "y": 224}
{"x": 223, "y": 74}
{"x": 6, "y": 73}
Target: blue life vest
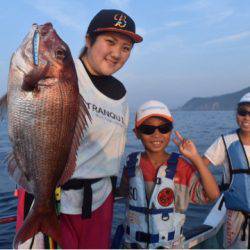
{"x": 152, "y": 223}
{"x": 237, "y": 197}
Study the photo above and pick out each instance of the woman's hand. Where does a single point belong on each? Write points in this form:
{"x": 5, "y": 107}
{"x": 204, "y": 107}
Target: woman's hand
{"x": 186, "y": 147}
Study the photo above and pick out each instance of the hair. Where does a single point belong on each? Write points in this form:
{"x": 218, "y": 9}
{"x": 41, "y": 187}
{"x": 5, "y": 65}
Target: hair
{"x": 92, "y": 37}
{"x": 243, "y": 104}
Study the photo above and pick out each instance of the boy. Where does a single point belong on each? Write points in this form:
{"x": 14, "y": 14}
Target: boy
{"x": 233, "y": 152}
{"x": 159, "y": 185}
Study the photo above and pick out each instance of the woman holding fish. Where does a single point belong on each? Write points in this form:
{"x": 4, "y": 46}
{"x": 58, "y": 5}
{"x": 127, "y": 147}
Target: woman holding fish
{"x": 87, "y": 198}
{"x": 47, "y": 119}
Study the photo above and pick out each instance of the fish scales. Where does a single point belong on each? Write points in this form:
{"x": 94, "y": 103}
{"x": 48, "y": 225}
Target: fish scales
{"x": 41, "y": 133}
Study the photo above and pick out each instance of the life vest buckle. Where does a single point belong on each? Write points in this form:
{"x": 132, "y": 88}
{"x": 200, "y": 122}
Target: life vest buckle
{"x": 165, "y": 217}
{"x": 158, "y": 181}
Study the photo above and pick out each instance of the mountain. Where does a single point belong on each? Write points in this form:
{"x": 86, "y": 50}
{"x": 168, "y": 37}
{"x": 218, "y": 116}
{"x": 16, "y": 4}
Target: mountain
{"x": 222, "y": 102}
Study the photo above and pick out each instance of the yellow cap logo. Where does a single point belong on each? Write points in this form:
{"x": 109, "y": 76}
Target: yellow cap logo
{"x": 121, "y": 20}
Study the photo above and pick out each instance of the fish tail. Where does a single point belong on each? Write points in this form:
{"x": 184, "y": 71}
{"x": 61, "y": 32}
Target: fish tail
{"x": 45, "y": 222}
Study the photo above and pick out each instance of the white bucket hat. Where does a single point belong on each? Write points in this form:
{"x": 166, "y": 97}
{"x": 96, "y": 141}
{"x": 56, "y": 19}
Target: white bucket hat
{"x": 245, "y": 98}
{"x": 152, "y": 108}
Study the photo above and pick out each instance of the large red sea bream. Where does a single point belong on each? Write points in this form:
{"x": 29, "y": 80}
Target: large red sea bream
{"x": 46, "y": 120}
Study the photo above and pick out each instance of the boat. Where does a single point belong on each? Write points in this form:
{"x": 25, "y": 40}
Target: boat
{"x": 207, "y": 235}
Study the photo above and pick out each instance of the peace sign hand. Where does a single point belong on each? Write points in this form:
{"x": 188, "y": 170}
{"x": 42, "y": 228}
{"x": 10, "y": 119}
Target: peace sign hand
{"x": 186, "y": 147}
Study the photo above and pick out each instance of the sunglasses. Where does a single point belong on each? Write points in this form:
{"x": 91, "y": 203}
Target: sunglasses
{"x": 150, "y": 129}
{"x": 243, "y": 112}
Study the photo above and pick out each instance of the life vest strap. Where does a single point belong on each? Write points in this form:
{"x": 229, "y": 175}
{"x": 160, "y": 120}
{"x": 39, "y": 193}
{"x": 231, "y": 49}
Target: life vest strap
{"x": 221, "y": 203}
{"x": 131, "y": 163}
{"x": 75, "y": 184}
{"x": 172, "y": 165}
{"x": 150, "y": 238}
{"x": 145, "y": 210}
{"x": 241, "y": 171}
{"x": 113, "y": 183}
{"x": 224, "y": 186}
{"x": 32, "y": 242}
{"x": 118, "y": 237}
{"x": 145, "y": 237}
{"x": 244, "y": 227}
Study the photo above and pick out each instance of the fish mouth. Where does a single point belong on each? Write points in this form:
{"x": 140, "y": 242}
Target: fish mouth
{"x": 48, "y": 82}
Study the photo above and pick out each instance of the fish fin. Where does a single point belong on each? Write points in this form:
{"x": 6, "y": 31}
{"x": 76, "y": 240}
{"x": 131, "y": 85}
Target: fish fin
{"x": 18, "y": 175}
{"x": 44, "y": 221}
{"x": 3, "y": 106}
{"x": 82, "y": 122}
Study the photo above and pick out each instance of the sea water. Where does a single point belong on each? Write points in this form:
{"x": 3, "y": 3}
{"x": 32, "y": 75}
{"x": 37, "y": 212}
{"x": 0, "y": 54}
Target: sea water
{"x": 8, "y": 202}
{"x": 203, "y": 127}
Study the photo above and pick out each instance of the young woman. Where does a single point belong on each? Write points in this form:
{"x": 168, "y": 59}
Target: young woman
{"x": 87, "y": 199}
{"x": 233, "y": 152}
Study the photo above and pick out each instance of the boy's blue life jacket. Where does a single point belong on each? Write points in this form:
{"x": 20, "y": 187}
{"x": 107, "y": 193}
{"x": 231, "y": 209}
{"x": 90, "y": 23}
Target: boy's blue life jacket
{"x": 148, "y": 234}
{"x": 237, "y": 196}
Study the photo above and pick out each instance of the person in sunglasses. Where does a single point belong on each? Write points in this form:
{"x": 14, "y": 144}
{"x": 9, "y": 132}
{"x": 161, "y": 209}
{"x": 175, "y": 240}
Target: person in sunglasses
{"x": 159, "y": 185}
{"x": 233, "y": 152}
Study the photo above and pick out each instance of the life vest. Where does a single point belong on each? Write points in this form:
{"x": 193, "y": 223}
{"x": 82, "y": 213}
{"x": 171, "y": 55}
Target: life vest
{"x": 153, "y": 223}
{"x": 237, "y": 196}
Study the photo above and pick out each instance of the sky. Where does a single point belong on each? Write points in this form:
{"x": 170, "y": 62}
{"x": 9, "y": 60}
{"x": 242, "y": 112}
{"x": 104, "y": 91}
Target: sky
{"x": 191, "y": 48}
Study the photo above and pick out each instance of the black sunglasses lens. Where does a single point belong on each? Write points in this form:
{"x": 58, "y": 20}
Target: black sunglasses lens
{"x": 165, "y": 128}
{"x": 147, "y": 129}
{"x": 243, "y": 112}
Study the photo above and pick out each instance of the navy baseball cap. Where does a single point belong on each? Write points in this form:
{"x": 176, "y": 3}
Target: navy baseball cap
{"x": 115, "y": 21}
